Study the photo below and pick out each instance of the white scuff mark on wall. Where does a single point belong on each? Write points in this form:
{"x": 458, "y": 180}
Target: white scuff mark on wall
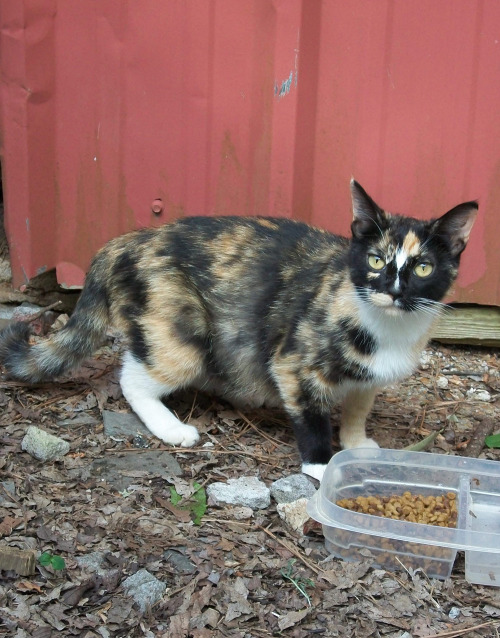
{"x": 286, "y": 85}
{"x": 284, "y": 88}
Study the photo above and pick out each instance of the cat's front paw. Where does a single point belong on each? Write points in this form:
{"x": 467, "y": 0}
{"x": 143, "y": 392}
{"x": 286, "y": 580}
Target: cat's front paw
{"x": 358, "y": 442}
{"x": 181, "y": 436}
{"x": 316, "y": 470}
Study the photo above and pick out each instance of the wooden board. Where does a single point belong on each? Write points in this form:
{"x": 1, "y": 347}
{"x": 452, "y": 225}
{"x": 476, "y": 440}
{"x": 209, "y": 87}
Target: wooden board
{"x": 21, "y": 561}
{"x": 470, "y": 325}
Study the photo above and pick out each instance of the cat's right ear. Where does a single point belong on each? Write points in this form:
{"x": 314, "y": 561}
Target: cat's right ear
{"x": 368, "y": 218}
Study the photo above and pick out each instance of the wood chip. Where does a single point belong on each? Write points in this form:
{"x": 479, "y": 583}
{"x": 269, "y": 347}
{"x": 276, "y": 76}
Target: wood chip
{"x": 21, "y": 561}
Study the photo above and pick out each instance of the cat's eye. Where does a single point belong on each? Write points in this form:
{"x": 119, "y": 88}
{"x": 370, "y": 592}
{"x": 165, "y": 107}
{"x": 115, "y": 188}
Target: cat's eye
{"x": 423, "y": 269}
{"x": 376, "y": 262}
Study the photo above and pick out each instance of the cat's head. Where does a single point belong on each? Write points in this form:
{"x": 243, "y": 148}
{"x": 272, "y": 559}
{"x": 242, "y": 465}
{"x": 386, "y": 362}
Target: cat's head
{"x": 401, "y": 264}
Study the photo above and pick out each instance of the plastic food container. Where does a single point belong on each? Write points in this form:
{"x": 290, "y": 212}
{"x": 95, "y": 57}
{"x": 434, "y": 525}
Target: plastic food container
{"x": 395, "y": 544}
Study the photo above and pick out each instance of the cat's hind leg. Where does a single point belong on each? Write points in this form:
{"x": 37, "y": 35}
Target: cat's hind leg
{"x": 355, "y": 408}
{"x": 144, "y": 394}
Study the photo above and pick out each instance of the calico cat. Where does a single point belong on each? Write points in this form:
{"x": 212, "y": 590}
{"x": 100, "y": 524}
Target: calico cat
{"x": 261, "y": 311}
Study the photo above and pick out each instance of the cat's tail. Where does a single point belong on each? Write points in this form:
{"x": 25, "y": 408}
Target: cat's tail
{"x": 65, "y": 349}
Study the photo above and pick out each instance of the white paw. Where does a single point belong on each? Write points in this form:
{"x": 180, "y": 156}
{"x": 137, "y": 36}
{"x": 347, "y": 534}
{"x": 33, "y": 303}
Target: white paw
{"x": 366, "y": 442}
{"x": 350, "y": 444}
{"x": 181, "y": 436}
{"x": 316, "y": 470}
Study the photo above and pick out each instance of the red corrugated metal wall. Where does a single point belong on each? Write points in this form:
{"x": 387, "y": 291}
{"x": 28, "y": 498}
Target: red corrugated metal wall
{"x": 248, "y": 107}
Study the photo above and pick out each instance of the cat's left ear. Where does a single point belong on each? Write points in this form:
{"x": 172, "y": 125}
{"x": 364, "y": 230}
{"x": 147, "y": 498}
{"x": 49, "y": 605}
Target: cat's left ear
{"x": 456, "y": 225}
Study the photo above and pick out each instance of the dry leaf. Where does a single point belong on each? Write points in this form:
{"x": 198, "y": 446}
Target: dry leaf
{"x": 8, "y": 524}
{"x": 292, "y": 618}
{"x": 24, "y": 586}
{"x": 181, "y": 515}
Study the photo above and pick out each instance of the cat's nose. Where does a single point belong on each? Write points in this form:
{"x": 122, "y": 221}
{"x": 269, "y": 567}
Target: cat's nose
{"x": 395, "y": 292}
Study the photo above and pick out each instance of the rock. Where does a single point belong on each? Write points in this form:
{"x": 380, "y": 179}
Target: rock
{"x": 122, "y": 426}
{"x": 120, "y": 471}
{"x": 442, "y": 383}
{"x": 248, "y": 491}
{"x": 42, "y": 445}
{"x": 290, "y": 488}
{"x": 425, "y": 360}
{"x": 294, "y": 514}
{"x": 23, "y": 312}
{"x": 479, "y": 395}
{"x": 92, "y": 562}
{"x": 144, "y": 588}
{"x": 179, "y": 561}
{"x": 454, "y": 613}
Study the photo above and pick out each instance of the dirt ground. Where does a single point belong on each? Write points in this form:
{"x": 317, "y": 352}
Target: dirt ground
{"x": 234, "y": 574}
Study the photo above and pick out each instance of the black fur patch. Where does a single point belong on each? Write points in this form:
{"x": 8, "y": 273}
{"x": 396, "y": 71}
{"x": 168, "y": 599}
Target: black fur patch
{"x": 313, "y": 432}
{"x": 133, "y": 288}
{"x": 190, "y": 328}
{"x": 128, "y": 278}
{"x": 138, "y": 343}
{"x": 360, "y": 339}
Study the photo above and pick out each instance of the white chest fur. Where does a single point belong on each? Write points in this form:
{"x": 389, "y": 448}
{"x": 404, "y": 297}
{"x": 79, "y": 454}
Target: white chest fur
{"x": 399, "y": 339}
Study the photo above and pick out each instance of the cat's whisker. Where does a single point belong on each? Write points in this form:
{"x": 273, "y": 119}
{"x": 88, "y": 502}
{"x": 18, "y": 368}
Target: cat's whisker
{"x": 358, "y": 292}
{"x": 431, "y": 307}
{"x": 427, "y": 311}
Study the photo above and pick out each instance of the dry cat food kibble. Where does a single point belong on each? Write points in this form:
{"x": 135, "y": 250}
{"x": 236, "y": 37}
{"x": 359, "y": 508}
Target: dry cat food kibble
{"x": 414, "y": 508}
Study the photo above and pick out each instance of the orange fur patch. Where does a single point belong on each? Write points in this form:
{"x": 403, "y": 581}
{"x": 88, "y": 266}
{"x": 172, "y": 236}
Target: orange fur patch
{"x": 411, "y": 244}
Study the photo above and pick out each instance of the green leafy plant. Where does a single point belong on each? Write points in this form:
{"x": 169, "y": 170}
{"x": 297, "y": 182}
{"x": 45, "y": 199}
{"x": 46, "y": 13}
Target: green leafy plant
{"x": 492, "y": 441}
{"x": 50, "y": 560}
{"x": 298, "y": 582}
{"x": 175, "y": 498}
{"x": 196, "y": 504}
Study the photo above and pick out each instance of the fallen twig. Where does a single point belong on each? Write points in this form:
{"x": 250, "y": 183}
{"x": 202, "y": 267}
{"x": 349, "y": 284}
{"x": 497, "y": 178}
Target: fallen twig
{"x": 190, "y": 450}
{"x": 454, "y": 633}
{"x": 42, "y": 311}
{"x": 260, "y": 432}
{"x": 476, "y": 443}
{"x": 60, "y": 397}
{"x": 292, "y": 550}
